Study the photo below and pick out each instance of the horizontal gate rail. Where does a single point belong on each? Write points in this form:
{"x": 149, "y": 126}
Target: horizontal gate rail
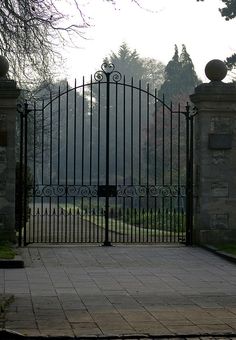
{"x": 121, "y": 191}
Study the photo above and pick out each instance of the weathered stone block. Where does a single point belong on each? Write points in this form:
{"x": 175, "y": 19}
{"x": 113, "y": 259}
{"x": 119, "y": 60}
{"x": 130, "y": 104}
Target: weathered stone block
{"x": 219, "y": 124}
{"x": 220, "y": 141}
{"x": 220, "y": 189}
{"x": 220, "y": 221}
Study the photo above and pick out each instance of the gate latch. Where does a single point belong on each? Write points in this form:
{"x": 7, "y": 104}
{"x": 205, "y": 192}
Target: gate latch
{"x": 107, "y": 191}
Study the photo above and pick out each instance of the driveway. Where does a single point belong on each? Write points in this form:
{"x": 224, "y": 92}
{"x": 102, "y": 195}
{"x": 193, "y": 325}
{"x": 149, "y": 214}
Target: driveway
{"x": 123, "y": 290}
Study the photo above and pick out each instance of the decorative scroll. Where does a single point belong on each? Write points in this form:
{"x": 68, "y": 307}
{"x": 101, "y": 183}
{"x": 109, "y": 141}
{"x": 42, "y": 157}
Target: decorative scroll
{"x": 151, "y": 191}
{"x": 107, "y": 70}
{"x": 62, "y": 190}
{"x": 122, "y": 191}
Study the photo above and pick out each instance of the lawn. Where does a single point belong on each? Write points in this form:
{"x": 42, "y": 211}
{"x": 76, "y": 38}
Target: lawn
{"x": 228, "y": 248}
{"x": 123, "y": 224}
{"x": 6, "y": 251}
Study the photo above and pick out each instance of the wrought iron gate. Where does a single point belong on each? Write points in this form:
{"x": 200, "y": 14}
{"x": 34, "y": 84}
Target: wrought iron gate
{"x": 105, "y": 162}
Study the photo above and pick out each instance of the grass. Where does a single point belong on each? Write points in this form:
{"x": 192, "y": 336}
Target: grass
{"x": 6, "y": 251}
{"x": 124, "y": 225}
{"x": 228, "y": 248}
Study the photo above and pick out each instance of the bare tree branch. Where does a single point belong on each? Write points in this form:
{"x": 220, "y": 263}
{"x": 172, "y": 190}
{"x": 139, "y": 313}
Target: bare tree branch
{"x": 30, "y": 33}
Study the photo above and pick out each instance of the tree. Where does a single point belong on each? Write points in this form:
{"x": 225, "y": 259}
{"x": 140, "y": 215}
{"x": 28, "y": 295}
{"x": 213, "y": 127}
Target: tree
{"x": 180, "y": 76}
{"x": 128, "y": 109}
{"x": 180, "y": 81}
{"x": 31, "y": 32}
{"x": 129, "y": 63}
{"x": 229, "y": 13}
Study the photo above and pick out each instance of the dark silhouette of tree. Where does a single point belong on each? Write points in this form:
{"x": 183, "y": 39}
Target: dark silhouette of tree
{"x": 167, "y": 138}
{"x": 31, "y": 33}
{"x": 229, "y": 12}
{"x": 180, "y": 76}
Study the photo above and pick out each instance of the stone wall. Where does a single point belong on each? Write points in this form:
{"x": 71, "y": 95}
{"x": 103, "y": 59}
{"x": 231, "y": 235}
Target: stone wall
{"x": 8, "y": 96}
{"x": 215, "y": 142}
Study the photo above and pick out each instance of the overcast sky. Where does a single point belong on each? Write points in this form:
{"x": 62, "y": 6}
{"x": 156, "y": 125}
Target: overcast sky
{"x": 152, "y": 32}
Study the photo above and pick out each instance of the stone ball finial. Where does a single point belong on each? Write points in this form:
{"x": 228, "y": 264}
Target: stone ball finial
{"x": 4, "y": 66}
{"x": 215, "y": 70}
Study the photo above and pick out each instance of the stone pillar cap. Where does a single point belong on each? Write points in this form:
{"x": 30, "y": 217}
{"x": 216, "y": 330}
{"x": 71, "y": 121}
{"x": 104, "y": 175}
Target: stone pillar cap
{"x": 4, "y": 66}
{"x": 216, "y": 70}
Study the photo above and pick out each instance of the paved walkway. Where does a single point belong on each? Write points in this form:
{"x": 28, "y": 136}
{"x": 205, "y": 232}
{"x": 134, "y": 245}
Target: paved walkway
{"x": 91, "y": 290}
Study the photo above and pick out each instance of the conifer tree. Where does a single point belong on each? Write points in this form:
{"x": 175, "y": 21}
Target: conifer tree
{"x": 180, "y": 76}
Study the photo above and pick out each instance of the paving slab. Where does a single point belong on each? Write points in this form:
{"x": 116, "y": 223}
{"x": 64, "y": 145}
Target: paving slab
{"x": 84, "y": 291}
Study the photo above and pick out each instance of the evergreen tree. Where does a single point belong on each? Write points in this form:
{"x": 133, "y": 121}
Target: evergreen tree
{"x": 172, "y": 76}
{"x": 180, "y": 76}
{"x": 188, "y": 73}
{"x": 128, "y": 109}
{"x": 180, "y": 81}
{"x": 127, "y": 62}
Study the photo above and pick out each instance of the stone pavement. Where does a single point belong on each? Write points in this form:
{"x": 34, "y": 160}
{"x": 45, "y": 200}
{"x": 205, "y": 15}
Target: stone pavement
{"x": 121, "y": 290}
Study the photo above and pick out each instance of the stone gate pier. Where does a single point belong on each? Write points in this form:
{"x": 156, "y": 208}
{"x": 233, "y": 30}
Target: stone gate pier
{"x": 8, "y": 96}
{"x": 215, "y": 160}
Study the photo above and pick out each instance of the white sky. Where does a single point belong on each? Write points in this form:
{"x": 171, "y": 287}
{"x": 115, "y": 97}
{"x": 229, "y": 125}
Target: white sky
{"x": 198, "y": 25}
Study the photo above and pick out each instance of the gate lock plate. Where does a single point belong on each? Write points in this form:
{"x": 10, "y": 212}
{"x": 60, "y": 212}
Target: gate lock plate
{"x": 107, "y": 191}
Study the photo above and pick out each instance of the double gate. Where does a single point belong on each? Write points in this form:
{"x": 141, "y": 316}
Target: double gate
{"x": 106, "y": 161}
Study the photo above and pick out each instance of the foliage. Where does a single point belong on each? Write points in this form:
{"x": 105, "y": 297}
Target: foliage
{"x": 128, "y": 113}
{"x": 168, "y": 219}
{"x": 229, "y": 12}
{"x": 167, "y": 159}
{"x": 6, "y": 251}
{"x": 180, "y": 76}
{"x": 31, "y": 33}
{"x": 129, "y": 63}
{"x": 228, "y": 248}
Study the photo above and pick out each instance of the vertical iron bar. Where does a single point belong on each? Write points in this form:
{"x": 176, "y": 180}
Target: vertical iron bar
{"x": 42, "y": 173}
{"x": 155, "y": 162}
{"x": 21, "y": 179}
{"x": 140, "y": 154}
{"x": 82, "y": 161}
{"x": 132, "y": 157}
{"x": 66, "y": 179}
{"x": 75, "y": 158}
{"x": 124, "y": 153}
{"x": 26, "y": 111}
{"x": 116, "y": 158}
{"x": 188, "y": 182}
{"x": 106, "y": 241}
{"x": 34, "y": 169}
{"x": 147, "y": 171}
{"x": 163, "y": 168}
{"x": 191, "y": 183}
{"x": 91, "y": 153}
{"x": 50, "y": 168}
{"x": 171, "y": 171}
{"x": 58, "y": 161}
{"x": 98, "y": 152}
{"x": 178, "y": 171}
